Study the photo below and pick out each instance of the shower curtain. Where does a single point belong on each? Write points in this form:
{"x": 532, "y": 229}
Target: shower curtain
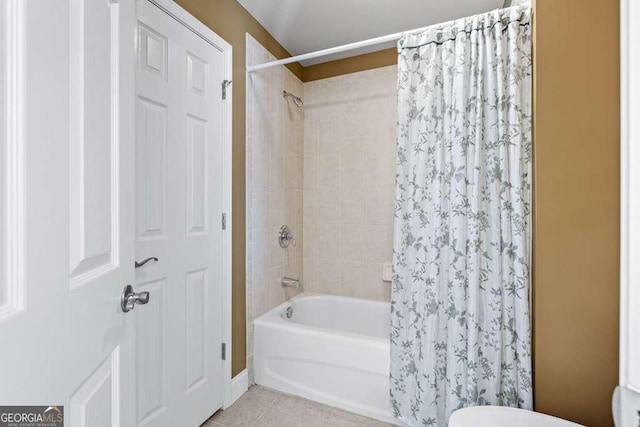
{"x": 460, "y": 326}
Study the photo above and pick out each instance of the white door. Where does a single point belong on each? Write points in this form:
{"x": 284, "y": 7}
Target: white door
{"x": 66, "y": 206}
{"x": 179, "y": 166}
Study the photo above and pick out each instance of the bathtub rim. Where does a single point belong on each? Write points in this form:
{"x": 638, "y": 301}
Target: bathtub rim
{"x": 275, "y": 319}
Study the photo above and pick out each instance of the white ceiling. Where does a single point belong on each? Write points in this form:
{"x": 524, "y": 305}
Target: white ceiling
{"x": 303, "y": 26}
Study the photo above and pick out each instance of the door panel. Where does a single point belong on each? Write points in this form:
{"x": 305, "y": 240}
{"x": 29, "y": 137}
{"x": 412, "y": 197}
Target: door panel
{"x": 196, "y": 175}
{"x": 151, "y": 167}
{"x": 179, "y": 173}
{"x": 94, "y": 404}
{"x": 197, "y": 75}
{"x": 152, "y": 51}
{"x": 196, "y": 328}
{"x": 12, "y": 286}
{"x": 92, "y": 157}
{"x": 149, "y": 334}
{"x": 69, "y": 120}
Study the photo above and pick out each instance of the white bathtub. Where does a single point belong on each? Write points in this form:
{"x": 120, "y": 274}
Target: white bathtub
{"x": 334, "y": 350}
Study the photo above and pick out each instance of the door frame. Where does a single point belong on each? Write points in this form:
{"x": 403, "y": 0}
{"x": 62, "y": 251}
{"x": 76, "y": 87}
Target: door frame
{"x": 629, "y": 197}
{"x": 185, "y": 18}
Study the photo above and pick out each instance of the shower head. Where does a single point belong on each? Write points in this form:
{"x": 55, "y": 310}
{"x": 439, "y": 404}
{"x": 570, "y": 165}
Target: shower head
{"x": 296, "y": 99}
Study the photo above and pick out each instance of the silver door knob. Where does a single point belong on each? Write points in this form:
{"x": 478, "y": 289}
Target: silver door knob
{"x": 129, "y": 299}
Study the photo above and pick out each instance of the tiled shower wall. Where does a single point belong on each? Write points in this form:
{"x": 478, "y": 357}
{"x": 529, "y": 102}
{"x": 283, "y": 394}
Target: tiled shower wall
{"x": 349, "y": 172}
{"x": 326, "y": 170}
{"x": 274, "y": 186}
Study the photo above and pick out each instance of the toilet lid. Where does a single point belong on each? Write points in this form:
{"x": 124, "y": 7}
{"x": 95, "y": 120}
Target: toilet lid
{"x": 500, "y": 416}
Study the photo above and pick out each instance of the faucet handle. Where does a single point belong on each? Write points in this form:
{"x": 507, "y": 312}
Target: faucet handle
{"x": 285, "y": 236}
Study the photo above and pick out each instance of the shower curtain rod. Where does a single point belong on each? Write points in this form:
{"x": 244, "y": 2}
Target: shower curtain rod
{"x": 350, "y": 46}
{"x": 338, "y": 49}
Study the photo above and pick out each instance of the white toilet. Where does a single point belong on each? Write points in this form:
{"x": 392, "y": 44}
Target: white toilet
{"x": 499, "y": 416}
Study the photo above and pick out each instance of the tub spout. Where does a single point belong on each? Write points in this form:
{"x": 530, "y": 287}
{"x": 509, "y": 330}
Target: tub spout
{"x": 289, "y": 282}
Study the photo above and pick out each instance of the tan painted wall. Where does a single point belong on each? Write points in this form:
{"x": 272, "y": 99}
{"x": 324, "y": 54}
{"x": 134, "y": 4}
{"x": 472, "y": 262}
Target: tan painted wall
{"x": 576, "y": 208}
{"x": 231, "y": 21}
{"x": 354, "y": 64}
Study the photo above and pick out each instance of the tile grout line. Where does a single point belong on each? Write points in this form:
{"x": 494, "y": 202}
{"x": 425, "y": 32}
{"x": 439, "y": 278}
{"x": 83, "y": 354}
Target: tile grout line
{"x": 275, "y": 400}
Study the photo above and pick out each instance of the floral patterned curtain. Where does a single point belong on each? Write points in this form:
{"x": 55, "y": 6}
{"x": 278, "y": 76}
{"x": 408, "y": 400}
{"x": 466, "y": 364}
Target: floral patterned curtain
{"x": 460, "y": 328}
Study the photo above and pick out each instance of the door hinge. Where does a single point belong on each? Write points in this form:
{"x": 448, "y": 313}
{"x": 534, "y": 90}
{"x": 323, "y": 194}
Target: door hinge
{"x": 224, "y": 221}
{"x": 224, "y": 351}
{"x": 225, "y": 85}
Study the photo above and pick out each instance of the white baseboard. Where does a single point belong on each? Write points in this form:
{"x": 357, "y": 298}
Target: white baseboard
{"x": 239, "y": 386}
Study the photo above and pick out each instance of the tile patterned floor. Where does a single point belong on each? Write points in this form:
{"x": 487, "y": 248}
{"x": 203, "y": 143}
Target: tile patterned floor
{"x": 261, "y": 407}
